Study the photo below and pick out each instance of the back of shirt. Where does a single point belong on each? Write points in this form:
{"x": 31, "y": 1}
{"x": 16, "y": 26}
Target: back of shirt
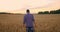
{"x": 28, "y": 20}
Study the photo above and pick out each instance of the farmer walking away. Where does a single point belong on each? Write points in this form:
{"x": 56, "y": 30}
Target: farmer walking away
{"x": 29, "y": 21}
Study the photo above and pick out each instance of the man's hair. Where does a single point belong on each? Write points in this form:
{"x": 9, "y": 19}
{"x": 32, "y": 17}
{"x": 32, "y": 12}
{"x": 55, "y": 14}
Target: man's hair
{"x": 27, "y": 11}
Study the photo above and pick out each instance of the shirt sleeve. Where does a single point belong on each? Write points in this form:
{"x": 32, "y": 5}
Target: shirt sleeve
{"x": 33, "y": 18}
{"x": 24, "y": 20}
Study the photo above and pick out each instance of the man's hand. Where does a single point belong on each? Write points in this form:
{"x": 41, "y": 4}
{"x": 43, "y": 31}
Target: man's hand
{"x": 24, "y": 25}
{"x": 35, "y": 24}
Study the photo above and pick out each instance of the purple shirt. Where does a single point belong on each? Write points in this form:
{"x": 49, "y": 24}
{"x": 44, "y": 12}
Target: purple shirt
{"x": 28, "y": 20}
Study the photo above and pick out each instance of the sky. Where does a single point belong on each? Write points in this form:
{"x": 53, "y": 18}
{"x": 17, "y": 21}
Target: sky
{"x": 20, "y": 6}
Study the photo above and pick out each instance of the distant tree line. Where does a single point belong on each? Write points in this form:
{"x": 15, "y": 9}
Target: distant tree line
{"x": 51, "y": 12}
{"x": 45, "y": 12}
{"x": 4, "y": 13}
{"x": 9, "y": 13}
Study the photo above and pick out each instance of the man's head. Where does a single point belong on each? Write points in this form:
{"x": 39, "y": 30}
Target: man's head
{"x": 27, "y": 11}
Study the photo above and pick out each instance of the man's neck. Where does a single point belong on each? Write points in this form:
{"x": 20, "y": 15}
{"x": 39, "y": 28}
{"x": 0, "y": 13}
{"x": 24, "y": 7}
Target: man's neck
{"x": 28, "y": 13}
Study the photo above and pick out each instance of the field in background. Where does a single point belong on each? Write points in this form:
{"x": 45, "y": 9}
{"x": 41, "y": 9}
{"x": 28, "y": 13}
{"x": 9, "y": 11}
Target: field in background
{"x": 45, "y": 23}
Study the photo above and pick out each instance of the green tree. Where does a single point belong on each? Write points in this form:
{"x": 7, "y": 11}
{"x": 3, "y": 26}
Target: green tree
{"x": 46, "y": 12}
{"x": 40, "y": 12}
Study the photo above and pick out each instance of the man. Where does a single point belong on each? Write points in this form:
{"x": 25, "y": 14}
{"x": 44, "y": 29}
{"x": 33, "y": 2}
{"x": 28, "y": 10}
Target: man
{"x": 28, "y": 21}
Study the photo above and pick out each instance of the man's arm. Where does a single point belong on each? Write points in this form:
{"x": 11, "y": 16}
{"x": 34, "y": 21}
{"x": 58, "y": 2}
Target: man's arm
{"x": 34, "y": 20}
{"x": 24, "y": 21}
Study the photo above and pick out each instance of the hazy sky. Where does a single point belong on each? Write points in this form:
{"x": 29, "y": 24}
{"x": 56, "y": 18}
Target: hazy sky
{"x": 19, "y": 6}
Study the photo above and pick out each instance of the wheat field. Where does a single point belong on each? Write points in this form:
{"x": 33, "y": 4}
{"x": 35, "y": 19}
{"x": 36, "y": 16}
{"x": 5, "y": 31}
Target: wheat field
{"x": 44, "y": 23}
